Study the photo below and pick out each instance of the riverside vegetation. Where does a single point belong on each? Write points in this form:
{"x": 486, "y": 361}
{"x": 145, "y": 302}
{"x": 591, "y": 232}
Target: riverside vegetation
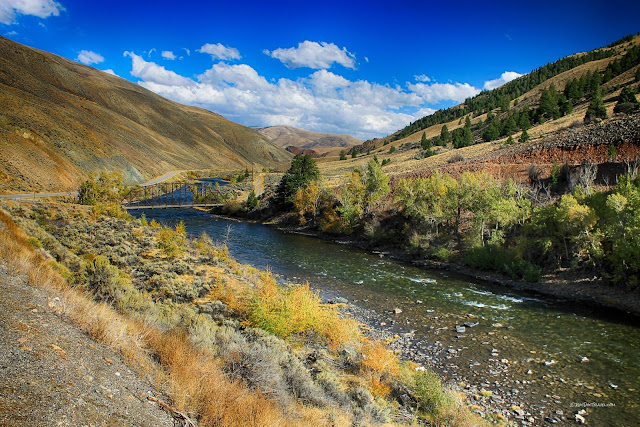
{"x": 477, "y": 219}
{"x": 225, "y": 342}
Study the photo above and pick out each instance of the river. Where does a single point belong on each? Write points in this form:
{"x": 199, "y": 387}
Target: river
{"x": 552, "y": 358}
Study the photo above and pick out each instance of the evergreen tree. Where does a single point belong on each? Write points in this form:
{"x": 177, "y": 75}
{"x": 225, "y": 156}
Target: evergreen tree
{"x": 424, "y": 143}
{"x": 638, "y": 74}
{"x": 491, "y": 132}
{"x": 303, "y": 170}
{"x": 525, "y": 136}
{"x": 627, "y": 101}
{"x": 509, "y": 126}
{"x": 343, "y": 155}
{"x": 444, "y": 135}
{"x": 596, "y": 107}
{"x": 524, "y": 123}
{"x": 467, "y": 123}
{"x": 549, "y": 102}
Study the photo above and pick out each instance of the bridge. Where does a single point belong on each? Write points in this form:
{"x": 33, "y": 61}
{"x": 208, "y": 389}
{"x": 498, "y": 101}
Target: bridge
{"x": 177, "y": 194}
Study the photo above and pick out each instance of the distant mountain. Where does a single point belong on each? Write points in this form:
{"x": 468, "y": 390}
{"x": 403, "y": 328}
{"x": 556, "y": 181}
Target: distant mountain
{"x": 60, "y": 119}
{"x": 288, "y": 136}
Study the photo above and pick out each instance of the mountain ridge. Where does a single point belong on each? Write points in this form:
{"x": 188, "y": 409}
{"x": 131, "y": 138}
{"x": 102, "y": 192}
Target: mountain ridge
{"x": 286, "y": 136}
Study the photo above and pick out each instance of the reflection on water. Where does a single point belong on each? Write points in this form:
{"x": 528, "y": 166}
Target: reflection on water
{"x": 576, "y": 353}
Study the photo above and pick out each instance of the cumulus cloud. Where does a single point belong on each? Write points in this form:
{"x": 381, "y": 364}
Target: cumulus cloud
{"x": 321, "y": 101}
{"x": 422, "y": 78}
{"x": 167, "y": 54}
{"x": 110, "y": 71}
{"x": 220, "y": 51}
{"x": 89, "y": 57}
{"x": 314, "y": 55}
{"x": 506, "y": 77}
{"x": 152, "y": 72}
{"x": 436, "y": 92}
{"x": 9, "y": 9}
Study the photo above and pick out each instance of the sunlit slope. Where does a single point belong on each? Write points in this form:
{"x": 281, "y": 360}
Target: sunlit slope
{"x": 60, "y": 119}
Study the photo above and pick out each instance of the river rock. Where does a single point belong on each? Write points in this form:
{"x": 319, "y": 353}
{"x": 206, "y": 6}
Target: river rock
{"x": 338, "y": 300}
{"x": 460, "y": 329}
{"x": 470, "y": 324}
{"x": 580, "y": 419}
{"x": 397, "y": 310}
{"x": 584, "y": 359}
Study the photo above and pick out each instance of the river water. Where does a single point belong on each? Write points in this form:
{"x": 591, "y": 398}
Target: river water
{"x": 552, "y": 358}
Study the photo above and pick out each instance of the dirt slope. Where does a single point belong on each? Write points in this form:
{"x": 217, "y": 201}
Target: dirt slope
{"x": 51, "y": 373}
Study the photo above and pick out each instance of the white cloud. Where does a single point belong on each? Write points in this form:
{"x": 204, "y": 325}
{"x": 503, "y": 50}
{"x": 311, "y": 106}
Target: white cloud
{"x": 220, "y": 51}
{"x": 187, "y": 50}
{"x": 314, "y": 55}
{"x": 110, "y": 71}
{"x": 89, "y": 57}
{"x": 11, "y": 34}
{"x": 436, "y": 92}
{"x": 153, "y": 49}
{"x": 506, "y": 77}
{"x": 167, "y": 54}
{"x": 9, "y": 9}
{"x": 321, "y": 101}
{"x": 152, "y": 72}
{"x": 422, "y": 78}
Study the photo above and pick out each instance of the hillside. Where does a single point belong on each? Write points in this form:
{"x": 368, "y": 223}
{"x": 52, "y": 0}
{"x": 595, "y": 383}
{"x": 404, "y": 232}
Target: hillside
{"x": 288, "y": 136}
{"x": 615, "y": 66}
{"x": 61, "y": 119}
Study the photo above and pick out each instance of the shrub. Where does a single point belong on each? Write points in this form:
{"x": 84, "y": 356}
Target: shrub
{"x": 295, "y": 309}
{"x": 252, "y": 200}
{"x": 104, "y": 280}
{"x": 170, "y": 242}
{"x": 493, "y": 257}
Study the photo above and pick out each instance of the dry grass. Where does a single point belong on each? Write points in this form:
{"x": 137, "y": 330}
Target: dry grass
{"x": 193, "y": 379}
{"x": 198, "y": 386}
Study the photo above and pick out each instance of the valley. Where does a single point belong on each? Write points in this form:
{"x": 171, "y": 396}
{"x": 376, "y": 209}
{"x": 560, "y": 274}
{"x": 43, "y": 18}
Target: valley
{"x": 480, "y": 266}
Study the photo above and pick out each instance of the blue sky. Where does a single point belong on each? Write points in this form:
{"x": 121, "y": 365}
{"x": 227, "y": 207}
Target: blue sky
{"x": 362, "y": 68}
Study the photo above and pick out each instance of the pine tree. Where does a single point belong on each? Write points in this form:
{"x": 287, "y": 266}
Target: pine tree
{"x": 303, "y": 170}
{"x": 490, "y": 133}
{"x": 525, "y": 136}
{"x": 444, "y": 134}
{"x": 627, "y": 101}
{"x": 524, "y": 123}
{"x": 467, "y": 123}
{"x": 424, "y": 143}
{"x": 549, "y": 102}
{"x": 596, "y": 107}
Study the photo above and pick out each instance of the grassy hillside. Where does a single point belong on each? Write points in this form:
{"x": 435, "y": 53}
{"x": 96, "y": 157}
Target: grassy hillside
{"x": 484, "y": 109}
{"x": 61, "y": 119}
